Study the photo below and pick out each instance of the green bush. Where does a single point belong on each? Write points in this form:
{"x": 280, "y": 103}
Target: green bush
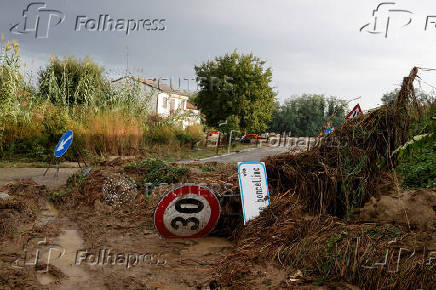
{"x": 159, "y": 171}
{"x": 184, "y": 137}
{"x": 417, "y": 164}
{"x": 159, "y": 134}
{"x": 71, "y": 82}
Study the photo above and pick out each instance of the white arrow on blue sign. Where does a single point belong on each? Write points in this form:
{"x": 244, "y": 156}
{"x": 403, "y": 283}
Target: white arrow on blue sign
{"x": 64, "y": 143}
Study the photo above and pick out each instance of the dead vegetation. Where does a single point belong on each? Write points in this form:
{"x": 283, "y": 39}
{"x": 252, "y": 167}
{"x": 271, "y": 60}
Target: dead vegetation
{"x": 26, "y": 197}
{"x": 307, "y": 228}
{"x": 342, "y": 172}
{"x": 87, "y": 195}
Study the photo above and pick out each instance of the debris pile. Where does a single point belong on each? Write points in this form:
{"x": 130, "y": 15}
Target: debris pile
{"x": 118, "y": 190}
{"x": 342, "y": 172}
{"x": 414, "y": 208}
{"x": 326, "y": 249}
{"x": 126, "y": 188}
{"x": 309, "y": 226}
{"x": 25, "y": 198}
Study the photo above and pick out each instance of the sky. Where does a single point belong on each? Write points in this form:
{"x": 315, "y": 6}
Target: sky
{"x": 312, "y": 46}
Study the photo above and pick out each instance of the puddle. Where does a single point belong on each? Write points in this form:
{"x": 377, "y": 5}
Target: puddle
{"x": 45, "y": 278}
{"x": 68, "y": 242}
{"x": 71, "y": 242}
{"x": 48, "y": 214}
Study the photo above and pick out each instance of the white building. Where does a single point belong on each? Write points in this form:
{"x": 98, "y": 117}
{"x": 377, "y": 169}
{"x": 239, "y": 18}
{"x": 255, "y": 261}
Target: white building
{"x": 165, "y": 101}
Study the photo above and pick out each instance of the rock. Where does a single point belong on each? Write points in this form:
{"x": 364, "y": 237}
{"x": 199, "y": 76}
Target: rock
{"x": 3, "y": 195}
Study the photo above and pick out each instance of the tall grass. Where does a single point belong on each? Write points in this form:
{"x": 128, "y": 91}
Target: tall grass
{"x": 73, "y": 95}
{"x": 115, "y": 133}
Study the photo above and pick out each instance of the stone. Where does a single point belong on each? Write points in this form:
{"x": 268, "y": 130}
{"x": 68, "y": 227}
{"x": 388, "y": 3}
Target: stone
{"x": 3, "y": 195}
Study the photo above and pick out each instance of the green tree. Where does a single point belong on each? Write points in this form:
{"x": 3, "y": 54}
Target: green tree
{"x": 305, "y": 115}
{"x": 236, "y": 85}
{"x": 71, "y": 82}
{"x": 390, "y": 96}
{"x": 422, "y": 97}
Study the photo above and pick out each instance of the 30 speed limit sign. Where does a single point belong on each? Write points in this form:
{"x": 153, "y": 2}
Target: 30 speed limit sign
{"x": 188, "y": 211}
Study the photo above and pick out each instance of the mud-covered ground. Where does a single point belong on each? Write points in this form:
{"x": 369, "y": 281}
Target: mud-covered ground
{"x": 102, "y": 246}
{"x": 93, "y": 245}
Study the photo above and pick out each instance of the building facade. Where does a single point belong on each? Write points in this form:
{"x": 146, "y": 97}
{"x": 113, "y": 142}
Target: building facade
{"x": 164, "y": 101}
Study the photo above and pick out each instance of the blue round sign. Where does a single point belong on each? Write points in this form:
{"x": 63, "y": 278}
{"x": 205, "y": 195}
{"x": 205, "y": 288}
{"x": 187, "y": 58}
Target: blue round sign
{"x": 64, "y": 143}
{"x": 327, "y": 131}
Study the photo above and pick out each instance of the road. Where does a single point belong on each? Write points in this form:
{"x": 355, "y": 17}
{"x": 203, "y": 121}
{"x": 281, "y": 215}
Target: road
{"x": 52, "y": 182}
{"x": 37, "y": 174}
{"x": 247, "y": 155}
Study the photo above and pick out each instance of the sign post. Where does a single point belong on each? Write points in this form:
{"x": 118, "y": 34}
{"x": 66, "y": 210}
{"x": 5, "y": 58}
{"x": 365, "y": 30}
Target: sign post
{"x": 62, "y": 147}
{"x": 254, "y": 188}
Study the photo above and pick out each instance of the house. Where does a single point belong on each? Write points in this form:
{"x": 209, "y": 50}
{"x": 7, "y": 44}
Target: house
{"x": 164, "y": 101}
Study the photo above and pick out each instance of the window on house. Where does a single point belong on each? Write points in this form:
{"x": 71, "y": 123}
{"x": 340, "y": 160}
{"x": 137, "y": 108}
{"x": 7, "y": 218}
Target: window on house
{"x": 172, "y": 105}
{"x": 165, "y": 103}
{"x": 181, "y": 105}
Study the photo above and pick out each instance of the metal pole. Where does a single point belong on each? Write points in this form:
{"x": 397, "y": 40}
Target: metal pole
{"x": 286, "y": 139}
{"x": 218, "y": 142}
{"x": 230, "y": 142}
{"x": 219, "y": 134}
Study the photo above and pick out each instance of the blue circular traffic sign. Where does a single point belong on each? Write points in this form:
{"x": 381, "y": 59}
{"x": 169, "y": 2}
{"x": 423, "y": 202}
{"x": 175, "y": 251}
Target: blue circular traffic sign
{"x": 64, "y": 144}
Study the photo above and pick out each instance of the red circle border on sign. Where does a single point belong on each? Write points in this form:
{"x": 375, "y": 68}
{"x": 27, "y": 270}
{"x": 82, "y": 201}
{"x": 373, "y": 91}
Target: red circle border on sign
{"x": 182, "y": 190}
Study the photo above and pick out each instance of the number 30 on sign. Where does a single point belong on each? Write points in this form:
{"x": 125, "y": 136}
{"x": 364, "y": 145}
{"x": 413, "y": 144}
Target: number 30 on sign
{"x": 188, "y": 211}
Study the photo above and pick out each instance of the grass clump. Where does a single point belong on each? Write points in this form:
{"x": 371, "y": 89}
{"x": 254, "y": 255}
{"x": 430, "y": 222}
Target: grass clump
{"x": 158, "y": 171}
{"x": 417, "y": 165}
{"x": 417, "y": 158}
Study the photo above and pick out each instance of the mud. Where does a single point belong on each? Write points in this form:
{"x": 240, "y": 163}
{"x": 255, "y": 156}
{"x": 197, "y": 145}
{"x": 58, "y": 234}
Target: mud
{"x": 72, "y": 236}
{"x": 415, "y": 208}
{"x": 99, "y": 246}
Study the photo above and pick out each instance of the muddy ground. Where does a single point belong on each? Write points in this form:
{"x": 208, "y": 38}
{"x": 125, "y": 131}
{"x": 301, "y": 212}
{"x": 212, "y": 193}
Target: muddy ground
{"x": 117, "y": 247}
{"x": 33, "y": 220}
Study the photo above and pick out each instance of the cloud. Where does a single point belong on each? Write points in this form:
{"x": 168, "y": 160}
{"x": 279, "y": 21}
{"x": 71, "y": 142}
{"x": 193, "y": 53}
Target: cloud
{"x": 312, "y": 46}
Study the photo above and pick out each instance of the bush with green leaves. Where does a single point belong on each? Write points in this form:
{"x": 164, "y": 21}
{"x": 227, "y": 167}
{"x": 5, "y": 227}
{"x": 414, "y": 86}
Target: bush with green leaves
{"x": 71, "y": 81}
{"x": 417, "y": 164}
{"x": 305, "y": 115}
{"x": 417, "y": 158}
{"x": 159, "y": 171}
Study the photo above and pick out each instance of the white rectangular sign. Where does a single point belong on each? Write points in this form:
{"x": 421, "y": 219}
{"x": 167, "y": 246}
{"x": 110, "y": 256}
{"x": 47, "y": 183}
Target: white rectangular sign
{"x": 254, "y": 188}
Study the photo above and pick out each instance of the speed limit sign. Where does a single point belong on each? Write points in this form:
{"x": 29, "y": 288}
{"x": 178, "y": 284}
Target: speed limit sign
{"x": 188, "y": 211}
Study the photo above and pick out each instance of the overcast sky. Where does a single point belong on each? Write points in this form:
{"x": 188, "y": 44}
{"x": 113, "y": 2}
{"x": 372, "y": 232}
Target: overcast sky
{"x": 312, "y": 46}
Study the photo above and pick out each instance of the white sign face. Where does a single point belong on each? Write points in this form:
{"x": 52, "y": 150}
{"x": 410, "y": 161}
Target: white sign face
{"x": 254, "y": 188}
{"x": 193, "y": 219}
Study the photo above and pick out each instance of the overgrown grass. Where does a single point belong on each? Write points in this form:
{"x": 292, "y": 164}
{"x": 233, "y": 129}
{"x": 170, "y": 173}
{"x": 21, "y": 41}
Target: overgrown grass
{"x": 418, "y": 164}
{"x": 158, "y": 171}
{"x": 73, "y": 95}
{"x": 417, "y": 158}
